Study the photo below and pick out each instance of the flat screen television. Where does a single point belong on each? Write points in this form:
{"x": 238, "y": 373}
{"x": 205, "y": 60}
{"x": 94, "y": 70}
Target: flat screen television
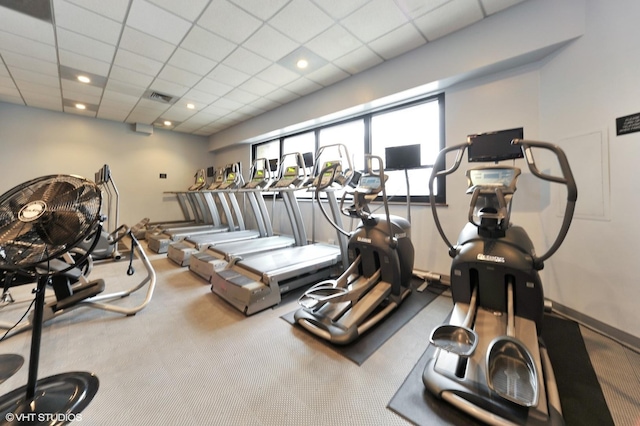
{"x": 495, "y": 146}
{"x": 402, "y": 157}
{"x": 273, "y": 164}
{"x": 211, "y": 172}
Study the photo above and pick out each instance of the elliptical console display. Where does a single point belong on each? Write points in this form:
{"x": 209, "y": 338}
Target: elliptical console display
{"x": 489, "y": 361}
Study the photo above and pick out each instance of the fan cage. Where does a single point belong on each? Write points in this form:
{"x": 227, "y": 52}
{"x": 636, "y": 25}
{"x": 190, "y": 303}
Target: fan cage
{"x": 46, "y": 217}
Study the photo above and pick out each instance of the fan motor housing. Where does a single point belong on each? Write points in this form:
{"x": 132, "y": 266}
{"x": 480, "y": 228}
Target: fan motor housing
{"x": 32, "y": 211}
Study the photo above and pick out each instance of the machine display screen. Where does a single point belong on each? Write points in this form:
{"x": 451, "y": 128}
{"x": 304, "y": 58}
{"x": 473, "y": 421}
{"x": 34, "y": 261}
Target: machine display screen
{"x": 491, "y": 177}
{"x": 495, "y": 146}
{"x": 370, "y": 182}
{"x": 402, "y": 157}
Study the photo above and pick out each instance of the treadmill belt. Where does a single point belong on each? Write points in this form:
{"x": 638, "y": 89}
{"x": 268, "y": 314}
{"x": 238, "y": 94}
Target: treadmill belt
{"x": 361, "y": 349}
{"x": 580, "y": 393}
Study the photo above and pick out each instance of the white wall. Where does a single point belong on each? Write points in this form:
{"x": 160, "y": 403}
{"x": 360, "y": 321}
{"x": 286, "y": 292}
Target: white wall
{"x": 576, "y": 90}
{"x": 38, "y": 142}
{"x": 583, "y": 89}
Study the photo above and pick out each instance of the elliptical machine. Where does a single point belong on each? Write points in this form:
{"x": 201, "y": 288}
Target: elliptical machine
{"x": 381, "y": 259}
{"x": 490, "y": 361}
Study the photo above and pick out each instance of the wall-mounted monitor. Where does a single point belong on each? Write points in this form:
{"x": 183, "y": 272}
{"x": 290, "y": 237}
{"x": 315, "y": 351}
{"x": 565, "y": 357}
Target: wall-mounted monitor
{"x": 402, "y": 157}
{"x": 211, "y": 171}
{"x": 273, "y": 164}
{"x": 495, "y": 146}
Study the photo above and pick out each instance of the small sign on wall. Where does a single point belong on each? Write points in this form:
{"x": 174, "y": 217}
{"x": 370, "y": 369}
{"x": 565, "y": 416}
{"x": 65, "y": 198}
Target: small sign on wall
{"x": 628, "y": 124}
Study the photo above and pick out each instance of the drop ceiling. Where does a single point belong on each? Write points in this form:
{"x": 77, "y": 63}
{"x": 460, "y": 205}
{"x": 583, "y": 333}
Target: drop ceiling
{"x": 230, "y": 60}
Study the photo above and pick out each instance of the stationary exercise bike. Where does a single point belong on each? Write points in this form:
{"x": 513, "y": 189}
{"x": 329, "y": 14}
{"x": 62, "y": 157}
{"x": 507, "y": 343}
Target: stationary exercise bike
{"x": 490, "y": 361}
{"x": 381, "y": 262}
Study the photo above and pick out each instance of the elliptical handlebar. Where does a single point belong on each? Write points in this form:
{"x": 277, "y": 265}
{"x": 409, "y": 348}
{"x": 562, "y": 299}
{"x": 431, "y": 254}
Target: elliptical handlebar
{"x": 441, "y": 159}
{"x": 566, "y": 179}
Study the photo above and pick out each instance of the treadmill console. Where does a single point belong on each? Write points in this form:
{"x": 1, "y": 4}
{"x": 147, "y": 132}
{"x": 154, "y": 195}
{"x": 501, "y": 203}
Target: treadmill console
{"x": 289, "y": 177}
{"x": 325, "y": 179}
{"x": 258, "y": 180}
{"x": 229, "y": 181}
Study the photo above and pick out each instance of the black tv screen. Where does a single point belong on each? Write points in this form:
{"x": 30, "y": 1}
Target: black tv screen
{"x": 495, "y": 146}
{"x": 211, "y": 172}
{"x": 273, "y": 164}
{"x": 402, "y": 157}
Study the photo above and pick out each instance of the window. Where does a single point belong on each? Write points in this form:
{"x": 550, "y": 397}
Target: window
{"x": 408, "y": 125}
{"x": 417, "y": 122}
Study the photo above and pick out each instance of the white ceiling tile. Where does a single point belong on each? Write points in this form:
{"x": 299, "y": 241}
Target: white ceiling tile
{"x": 270, "y": 43}
{"x": 11, "y": 97}
{"x": 157, "y": 22}
{"x": 333, "y": 43}
{"x": 301, "y": 20}
{"x": 282, "y": 96}
{"x": 84, "y": 112}
{"x": 213, "y": 87}
{"x": 87, "y": 23}
{"x": 358, "y": 60}
{"x": 168, "y": 87}
{"x": 191, "y": 62}
{"x": 138, "y": 63}
{"x": 397, "y": 42}
{"x": 278, "y": 75}
{"x": 20, "y": 74}
{"x": 199, "y": 119}
{"x": 207, "y": 44}
{"x": 113, "y": 114}
{"x": 179, "y": 76}
{"x": 151, "y": 105}
{"x": 27, "y": 87}
{"x": 227, "y": 104}
{"x": 189, "y": 10}
{"x": 494, "y": 6}
{"x": 263, "y": 9}
{"x": 25, "y": 46}
{"x": 8, "y": 87}
{"x": 26, "y": 26}
{"x": 130, "y": 76}
{"x": 146, "y": 45}
{"x": 80, "y": 97}
{"x": 32, "y": 94}
{"x": 199, "y": 98}
{"x": 82, "y": 45}
{"x": 125, "y": 88}
{"x": 451, "y": 17}
{"x": 44, "y": 103}
{"x": 112, "y": 98}
{"x": 375, "y": 19}
{"x": 142, "y": 115}
{"x": 246, "y": 61}
{"x": 338, "y": 9}
{"x": 258, "y": 87}
{"x": 227, "y": 75}
{"x": 113, "y": 9}
{"x": 33, "y": 64}
{"x": 415, "y": 8}
{"x": 266, "y": 104}
{"x": 83, "y": 63}
{"x": 303, "y": 86}
{"x": 241, "y": 96}
{"x": 228, "y": 21}
{"x": 177, "y": 112}
{"x": 327, "y": 75}
{"x": 76, "y": 86}
{"x": 214, "y": 110}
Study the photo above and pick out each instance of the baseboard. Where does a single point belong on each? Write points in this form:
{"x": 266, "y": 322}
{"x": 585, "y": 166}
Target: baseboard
{"x": 626, "y": 339}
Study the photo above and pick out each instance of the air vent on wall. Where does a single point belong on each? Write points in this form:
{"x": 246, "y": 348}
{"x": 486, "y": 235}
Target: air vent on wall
{"x": 159, "y": 97}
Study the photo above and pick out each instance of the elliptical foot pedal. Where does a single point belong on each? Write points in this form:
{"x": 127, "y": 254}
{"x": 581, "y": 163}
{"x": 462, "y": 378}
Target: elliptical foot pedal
{"x": 83, "y": 292}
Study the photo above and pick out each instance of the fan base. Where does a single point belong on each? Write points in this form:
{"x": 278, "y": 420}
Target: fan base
{"x": 58, "y": 400}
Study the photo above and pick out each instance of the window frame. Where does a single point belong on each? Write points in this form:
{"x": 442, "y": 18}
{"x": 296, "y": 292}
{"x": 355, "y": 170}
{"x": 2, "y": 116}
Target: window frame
{"x": 440, "y": 186}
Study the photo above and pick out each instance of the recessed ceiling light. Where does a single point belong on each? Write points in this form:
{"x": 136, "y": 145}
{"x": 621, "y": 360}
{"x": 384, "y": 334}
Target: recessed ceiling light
{"x": 84, "y": 79}
{"x": 302, "y": 63}
{"x": 191, "y": 106}
{"x": 167, "y": 123}
{"x": 81, "y": 106}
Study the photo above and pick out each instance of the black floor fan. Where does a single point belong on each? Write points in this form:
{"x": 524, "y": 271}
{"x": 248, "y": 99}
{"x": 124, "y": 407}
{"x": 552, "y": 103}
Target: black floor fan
{"x": 41, "y": 220}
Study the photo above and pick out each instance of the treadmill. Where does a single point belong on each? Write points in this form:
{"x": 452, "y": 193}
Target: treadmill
{"x": 216, "y": 257}
{"x": 181, "y": 251}
{"x": 204, "y": 198}
{"x": 257, "y": 282}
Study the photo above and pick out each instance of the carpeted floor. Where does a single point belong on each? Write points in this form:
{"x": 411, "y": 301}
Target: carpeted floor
{"x": 191, "y": 359}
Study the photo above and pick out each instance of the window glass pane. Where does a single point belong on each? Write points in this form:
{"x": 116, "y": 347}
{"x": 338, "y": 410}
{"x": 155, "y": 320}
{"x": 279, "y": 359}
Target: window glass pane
{"x": 350, "y": 134}
{"x": 268, "y": 150}
{"x": 417, "y": 124}
{"x": 302, "y": 143}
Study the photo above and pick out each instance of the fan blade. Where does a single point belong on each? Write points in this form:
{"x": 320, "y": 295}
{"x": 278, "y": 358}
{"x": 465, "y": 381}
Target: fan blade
{"x": 59, "y": 228}
{"x": 13, "y": 230}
